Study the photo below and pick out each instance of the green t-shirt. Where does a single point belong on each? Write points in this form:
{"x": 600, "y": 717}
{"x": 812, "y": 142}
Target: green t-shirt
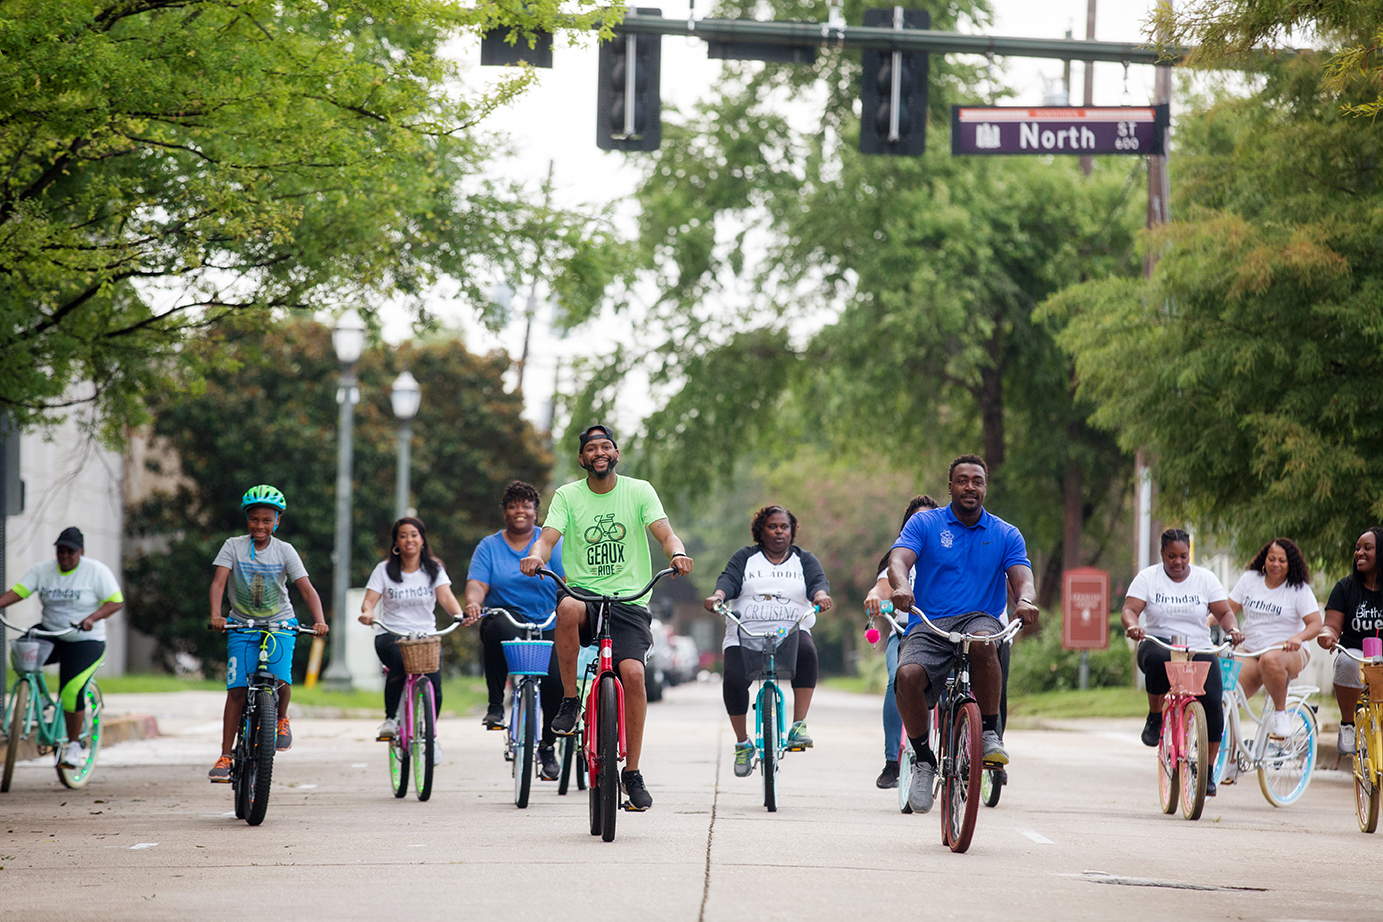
{"x": 604, "y": 547}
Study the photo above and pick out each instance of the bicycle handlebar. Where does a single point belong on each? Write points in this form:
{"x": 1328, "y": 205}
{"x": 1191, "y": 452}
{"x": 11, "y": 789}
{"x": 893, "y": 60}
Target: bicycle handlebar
{"x": 723, "y": 609}
{"x": 39, "y": 631}
{"x": 957, "y": 636}
{"x": 582, "y": 596}
{"x": 1365, "y": 660}
{"x": 239, "y": 624}
{"x": 1256, "y": 653}
{"x": 456, "y": 623}
{"x": 1183, "y": 648}
{"x": 522, "y": 625}
{"x": 886, "y": 612}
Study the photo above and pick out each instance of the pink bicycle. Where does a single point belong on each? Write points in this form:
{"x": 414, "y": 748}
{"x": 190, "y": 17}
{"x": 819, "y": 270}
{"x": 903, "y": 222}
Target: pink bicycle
{"x": 417, "y": 723}
{"x": 1183, "y": 752}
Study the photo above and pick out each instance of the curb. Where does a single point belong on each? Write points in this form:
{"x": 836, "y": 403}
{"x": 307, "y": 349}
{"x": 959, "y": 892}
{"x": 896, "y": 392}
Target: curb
{"x": 114, "y": 730}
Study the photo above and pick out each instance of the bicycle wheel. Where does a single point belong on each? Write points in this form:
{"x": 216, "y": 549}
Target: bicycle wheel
{"x": 1287, "y": 764}
{"x": 420, "y": 746}
{"x": 262, "y": 754}
{"x": 242, "y": 777}
{"x": 399, "y": 763}
{"x": 960, "y": 802}
{"x": 1366, "y": 791}
{"x": 609, "y": 758}
{"x": 528, "y": 733}
{"x": 906, "y": 759}
{"x": 19, "y": 710}
{"x": 1228, "y": 742}
{"x": 564, "y": 779}
{"x": 90, "y": 735}
{"x": 768, "y": 752}
{"x": 992, "y": 786}
{"x": 1168, "y": 769}
{"x": 593, "y": 775}
{"x": 1196, "y": 769}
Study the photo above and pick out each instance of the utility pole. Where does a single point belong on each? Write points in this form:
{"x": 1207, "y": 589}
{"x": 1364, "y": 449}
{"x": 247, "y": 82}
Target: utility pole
{"x": 1087, "y": 164}
{"x": 532, "y": 307}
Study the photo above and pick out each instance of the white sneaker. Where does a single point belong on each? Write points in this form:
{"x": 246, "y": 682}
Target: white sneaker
{"x": 920, "y": 794}
{"x": 1281, "y": 726}
{"x": 74, "y": 755}
{"x": 436, "y": 750}
{"x": 387, "y": 730}
{"x": 1345, "y": 744}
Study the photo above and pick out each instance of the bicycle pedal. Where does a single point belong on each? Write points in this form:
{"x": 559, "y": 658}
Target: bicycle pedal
{"x": 796, "y": 748}
{"x": 628, "y": 807}
{"x": 990, "y": 763}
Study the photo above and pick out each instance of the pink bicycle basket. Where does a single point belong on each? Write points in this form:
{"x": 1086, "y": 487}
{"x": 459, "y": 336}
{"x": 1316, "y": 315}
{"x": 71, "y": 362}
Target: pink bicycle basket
{"x": 1187, "y": 678}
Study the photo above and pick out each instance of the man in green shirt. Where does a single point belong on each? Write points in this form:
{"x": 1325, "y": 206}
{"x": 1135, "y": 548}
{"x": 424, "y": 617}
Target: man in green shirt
{"x": 606, "y": 552}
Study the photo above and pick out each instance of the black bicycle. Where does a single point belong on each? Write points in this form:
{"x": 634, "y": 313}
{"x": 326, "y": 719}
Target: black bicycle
{"x": 958, "y": 734}
{"x": 252, "y": 759}
{"x": 601, "y": 729}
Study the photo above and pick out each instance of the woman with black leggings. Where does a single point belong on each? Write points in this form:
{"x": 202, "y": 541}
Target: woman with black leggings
{"x": 770, "y": 584}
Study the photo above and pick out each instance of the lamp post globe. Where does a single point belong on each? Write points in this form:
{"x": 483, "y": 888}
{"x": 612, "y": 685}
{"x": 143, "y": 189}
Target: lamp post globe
{"x": 348, "y": 337}
{"x": 405, "y": 397}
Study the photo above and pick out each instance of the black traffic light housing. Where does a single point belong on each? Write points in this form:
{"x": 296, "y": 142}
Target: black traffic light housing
{"x": 893, "y": 89}
{"x": 628, "y": 105}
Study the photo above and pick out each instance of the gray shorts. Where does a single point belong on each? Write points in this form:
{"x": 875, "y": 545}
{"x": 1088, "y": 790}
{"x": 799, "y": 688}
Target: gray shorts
{"x": 935, "y": 654}
{"x": 1347, "y": 670}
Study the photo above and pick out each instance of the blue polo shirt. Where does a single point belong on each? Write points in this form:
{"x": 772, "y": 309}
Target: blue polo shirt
{"x": 960, "y": 569}
{"x": 496, "y": 564}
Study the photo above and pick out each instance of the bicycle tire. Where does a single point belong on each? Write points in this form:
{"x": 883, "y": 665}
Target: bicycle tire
{"x": 609, "y": 758}
{"x": 564, "y": 777}
{"x": 424, "y": 727}
{"x": 593, "y": 779}
{"x": 960, "y": 793}
{"x": 1366, "y": 777}
{"x": 399, "y": 764}
{"x": 768, "y": 758}
{"x": 1229, "y": 743}
{"x": 1284, "y": 774}
{"x": 528, "y": 741}
{"x": 91, "y": 732}
{"x": 262, "y": 756}
{"x": 1195, "y": 771}
{"x": 19, "y": 715}
{"x": 241, "y": 776}
{"x": 1168, "y": 769}
{"x": 906, "y": 759}
{"x": 992, "y": 786}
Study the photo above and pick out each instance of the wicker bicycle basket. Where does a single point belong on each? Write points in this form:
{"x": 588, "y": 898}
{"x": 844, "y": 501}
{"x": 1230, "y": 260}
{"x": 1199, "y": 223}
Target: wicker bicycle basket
{"x": 1372, "y": 674}
{"x": 1187, "y": 678}
{"x": 421, "y": 656}
{"x": 755, "y": 651}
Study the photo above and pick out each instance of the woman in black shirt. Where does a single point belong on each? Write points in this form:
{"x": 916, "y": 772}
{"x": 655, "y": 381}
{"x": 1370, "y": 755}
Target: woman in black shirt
{"x": 1355, "y": 609}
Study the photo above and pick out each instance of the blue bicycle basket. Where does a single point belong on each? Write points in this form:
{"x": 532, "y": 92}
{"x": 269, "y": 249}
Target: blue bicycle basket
{"x": 1229, "y": 672}
{"x": 527, "y": 657}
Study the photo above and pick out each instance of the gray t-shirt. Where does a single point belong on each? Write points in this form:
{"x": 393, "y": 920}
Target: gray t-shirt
{"x": 258, "y": 585}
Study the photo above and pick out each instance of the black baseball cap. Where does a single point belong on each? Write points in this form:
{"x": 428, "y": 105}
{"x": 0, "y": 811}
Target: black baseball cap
{"x": 597, "y": 431}
{"x": 71, "y": 537}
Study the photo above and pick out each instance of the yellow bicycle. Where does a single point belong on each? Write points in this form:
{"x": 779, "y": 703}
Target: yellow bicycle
{"x": 1368, "y": 735}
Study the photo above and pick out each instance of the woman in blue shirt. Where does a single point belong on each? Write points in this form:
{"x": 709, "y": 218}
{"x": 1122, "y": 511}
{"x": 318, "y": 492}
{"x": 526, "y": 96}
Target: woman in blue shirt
{"x": 494, "y": 580}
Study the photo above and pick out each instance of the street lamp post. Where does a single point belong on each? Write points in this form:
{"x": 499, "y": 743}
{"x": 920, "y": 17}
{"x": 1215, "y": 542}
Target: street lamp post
{"x": 348, "y": 339}
{"x": 405, "y": 396}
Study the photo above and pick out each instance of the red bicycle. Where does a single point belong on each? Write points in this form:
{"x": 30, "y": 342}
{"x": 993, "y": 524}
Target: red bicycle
{"x": 601, "y": 729}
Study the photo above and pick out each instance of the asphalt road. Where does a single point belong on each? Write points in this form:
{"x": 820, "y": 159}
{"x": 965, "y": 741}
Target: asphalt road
{"x": 1078, "y": 834}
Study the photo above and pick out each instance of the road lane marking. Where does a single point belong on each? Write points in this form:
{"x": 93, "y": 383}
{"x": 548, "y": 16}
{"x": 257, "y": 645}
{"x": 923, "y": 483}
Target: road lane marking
{"x": 137, "y": 847}
{"x": 1036, "y": 837}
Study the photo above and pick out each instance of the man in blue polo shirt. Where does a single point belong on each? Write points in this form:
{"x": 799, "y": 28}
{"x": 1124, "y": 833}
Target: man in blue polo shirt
{"x": 967, "y": 562}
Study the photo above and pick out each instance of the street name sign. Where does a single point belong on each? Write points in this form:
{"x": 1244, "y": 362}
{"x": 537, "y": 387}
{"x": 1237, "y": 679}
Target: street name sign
{"x": 1079, "y": 130}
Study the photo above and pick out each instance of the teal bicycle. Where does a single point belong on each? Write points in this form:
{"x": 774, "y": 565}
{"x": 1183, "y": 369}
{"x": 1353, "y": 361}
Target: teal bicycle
{"x": 33, "y": 711}
{"x": 769, "y": 656}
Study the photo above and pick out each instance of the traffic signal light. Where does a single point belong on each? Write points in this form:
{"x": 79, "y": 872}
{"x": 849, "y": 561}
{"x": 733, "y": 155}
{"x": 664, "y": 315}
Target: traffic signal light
{"x": 628, "y": 107}
{"x": 893, "y": 90}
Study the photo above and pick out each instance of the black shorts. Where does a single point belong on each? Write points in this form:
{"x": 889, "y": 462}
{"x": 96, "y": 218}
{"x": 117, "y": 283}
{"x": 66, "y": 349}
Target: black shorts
{"x": 631, "y": 631}
{"x": 935, "y": 654}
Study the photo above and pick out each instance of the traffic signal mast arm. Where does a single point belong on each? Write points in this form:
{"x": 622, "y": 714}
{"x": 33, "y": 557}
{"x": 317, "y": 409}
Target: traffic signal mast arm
{"x": 886, "y": 39}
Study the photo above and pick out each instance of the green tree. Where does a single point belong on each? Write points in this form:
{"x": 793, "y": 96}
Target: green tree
{"x": 274, "y": 421}
{"x": 173, "y": 165}
{"x": 1250, "y": 363}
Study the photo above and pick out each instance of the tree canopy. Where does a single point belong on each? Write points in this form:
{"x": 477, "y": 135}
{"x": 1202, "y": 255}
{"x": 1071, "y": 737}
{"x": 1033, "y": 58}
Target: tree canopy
{"x": 174, "y": 164}
{"x": 272, "y": 419}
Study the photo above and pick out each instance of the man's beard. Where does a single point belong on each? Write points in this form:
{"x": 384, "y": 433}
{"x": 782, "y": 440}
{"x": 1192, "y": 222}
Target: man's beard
{"x": 600, "y": 475}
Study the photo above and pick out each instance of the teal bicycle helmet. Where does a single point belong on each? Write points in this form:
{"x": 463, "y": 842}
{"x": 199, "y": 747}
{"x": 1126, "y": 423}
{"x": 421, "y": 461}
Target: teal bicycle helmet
{"x": 263, "y": 495}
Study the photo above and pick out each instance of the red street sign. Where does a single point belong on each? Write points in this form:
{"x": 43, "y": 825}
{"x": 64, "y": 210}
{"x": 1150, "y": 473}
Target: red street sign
{"x": 1085, "y": 609}
{"x": 1081, "y": 130}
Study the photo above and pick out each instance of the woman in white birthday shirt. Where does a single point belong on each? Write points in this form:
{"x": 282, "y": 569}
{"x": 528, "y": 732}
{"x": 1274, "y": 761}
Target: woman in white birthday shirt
{"x": 1275, "y": 602}
{"x": 1173, "y": 599}
{"x": 769, "y": 584}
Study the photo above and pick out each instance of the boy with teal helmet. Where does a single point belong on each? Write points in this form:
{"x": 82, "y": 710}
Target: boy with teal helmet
{"x": 253, "y": 571}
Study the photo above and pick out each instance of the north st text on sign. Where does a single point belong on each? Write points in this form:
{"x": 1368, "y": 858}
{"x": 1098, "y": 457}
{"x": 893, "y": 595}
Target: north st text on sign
{"x": 1079, "y": 130}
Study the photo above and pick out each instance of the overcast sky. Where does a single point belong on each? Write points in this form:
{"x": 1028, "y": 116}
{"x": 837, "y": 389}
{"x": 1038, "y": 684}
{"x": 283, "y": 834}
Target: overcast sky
{"x": 555, "y": 121}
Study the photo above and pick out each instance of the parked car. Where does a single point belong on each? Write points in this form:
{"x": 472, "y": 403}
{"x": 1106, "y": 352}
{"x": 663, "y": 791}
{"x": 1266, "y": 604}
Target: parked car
{"x": 686, "y": 660}
{"x": 659, "y": 662}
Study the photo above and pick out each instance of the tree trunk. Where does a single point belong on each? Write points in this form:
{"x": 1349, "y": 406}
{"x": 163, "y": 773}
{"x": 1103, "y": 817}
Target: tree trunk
{"x": 1072, "y": 488}
{"x": 991, "y": 400}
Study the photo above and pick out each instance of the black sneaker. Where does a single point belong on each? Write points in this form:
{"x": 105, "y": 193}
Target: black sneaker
{"x": 551, "y": 767}
{"x": 1209, "y": 787}
{"x": 1152, "y": 729}
{"x": 565, "y": 721}
{"x": 632, "y": 782}
{"x": 494, "y": 717}
{"x": 888, "y": 778}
